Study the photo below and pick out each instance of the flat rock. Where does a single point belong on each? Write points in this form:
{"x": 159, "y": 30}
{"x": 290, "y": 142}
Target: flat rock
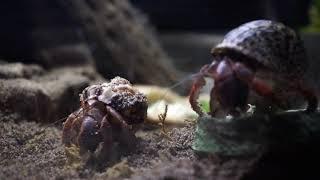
{"x": 42, "y": 96}
{"x": 23, "y": 99}
{"x": 19, "y": 70}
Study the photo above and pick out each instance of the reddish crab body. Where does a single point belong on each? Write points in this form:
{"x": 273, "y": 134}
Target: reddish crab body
{"x": 106, "y": 111}
{"x": 257, "y": 47}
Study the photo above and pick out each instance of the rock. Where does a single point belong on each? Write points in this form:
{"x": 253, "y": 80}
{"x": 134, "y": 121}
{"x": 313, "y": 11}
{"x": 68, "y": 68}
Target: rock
{"x": 19, "y": 70}
{"x": 24, "y": 99}
{"x": 43, "y": 97}
{"x": 63, "y": 88}
{"x": 286, "y": 142}
{"x": 65, "y": 55}
{"x": 250, "y": 134}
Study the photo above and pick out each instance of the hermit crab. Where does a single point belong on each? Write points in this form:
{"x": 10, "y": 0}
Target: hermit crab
{"x": 257, "y": 47}
{"x": 106, "y": 110}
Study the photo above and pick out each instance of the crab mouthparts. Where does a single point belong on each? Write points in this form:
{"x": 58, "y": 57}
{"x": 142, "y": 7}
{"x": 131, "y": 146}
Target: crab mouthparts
{"x": 232, "y": 92}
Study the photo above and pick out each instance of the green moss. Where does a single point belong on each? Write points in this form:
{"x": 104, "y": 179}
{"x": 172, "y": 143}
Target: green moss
{"x": 205, "y": 106}
{"x": 314, "y": 14}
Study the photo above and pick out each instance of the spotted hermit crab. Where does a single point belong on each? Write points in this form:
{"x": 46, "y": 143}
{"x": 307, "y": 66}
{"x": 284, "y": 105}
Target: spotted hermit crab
{"x": 106, "y": 110}
{"x": 259, "y": 46}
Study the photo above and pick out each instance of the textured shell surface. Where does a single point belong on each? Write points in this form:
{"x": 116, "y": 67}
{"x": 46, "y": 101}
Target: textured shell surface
{"x": 114, "y": 88}
{"x": 106, "y": 91}
{"x": 271, "y": 44}
{"x": 118, "y": 93}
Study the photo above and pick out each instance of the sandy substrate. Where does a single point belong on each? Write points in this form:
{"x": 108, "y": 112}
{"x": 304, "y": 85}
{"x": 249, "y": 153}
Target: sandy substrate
{"x": 33, "y": 151}
{"x": 29, "y": 150}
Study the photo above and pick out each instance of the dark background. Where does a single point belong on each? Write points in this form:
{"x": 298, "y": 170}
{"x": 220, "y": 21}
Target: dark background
{"x": 22, "y": 21}
{"x": 221, "y": 14}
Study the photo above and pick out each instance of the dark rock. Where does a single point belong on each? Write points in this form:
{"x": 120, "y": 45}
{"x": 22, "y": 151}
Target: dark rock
{"x": 65, "y": 55}
{"x": 274, "y": 141}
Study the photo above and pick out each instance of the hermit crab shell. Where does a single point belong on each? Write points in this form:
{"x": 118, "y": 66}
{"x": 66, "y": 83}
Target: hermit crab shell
{"x": 267, "y": 44}
{"x": 106, "y": 92}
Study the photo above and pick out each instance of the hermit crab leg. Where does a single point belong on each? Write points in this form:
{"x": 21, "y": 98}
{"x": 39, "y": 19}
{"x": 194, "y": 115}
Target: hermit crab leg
{"x": 258, "y": 85}
{"x": 194, "y": 94}
{"x": 116, "y": 116}
{"x": 112, "y": 117}
{"x": 68, "y": 132}
{"x": 89, "y": 136}
{"x": 198, "y": 83}
{"x": 107, "y": 138}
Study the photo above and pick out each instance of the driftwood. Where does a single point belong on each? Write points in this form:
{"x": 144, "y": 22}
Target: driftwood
{"x": 110, "y": 33}
{"x": 122, "y": 42}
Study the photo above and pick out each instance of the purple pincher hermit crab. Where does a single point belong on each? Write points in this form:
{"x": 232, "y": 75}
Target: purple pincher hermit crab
{"x": 106, "y": 110}
{"x": 260, "y": 46}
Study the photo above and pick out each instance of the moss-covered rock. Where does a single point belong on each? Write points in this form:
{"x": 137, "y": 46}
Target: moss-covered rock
{"x": 252, "y": 134}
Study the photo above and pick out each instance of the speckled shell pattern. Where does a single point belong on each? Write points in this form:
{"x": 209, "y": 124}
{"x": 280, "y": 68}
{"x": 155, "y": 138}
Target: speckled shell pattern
{"x": 270, "y": 43}
{"x": 121, "y": 96}
{"x": 115, "y": 89}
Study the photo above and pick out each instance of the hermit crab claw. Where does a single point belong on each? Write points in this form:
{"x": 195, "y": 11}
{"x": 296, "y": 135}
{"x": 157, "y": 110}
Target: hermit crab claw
{"x": 198, "y": 83}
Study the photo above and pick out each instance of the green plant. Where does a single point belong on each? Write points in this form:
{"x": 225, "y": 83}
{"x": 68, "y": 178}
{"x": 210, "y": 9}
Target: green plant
{"x": 205, "y": 105}
{"x": 314, "y": 14}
